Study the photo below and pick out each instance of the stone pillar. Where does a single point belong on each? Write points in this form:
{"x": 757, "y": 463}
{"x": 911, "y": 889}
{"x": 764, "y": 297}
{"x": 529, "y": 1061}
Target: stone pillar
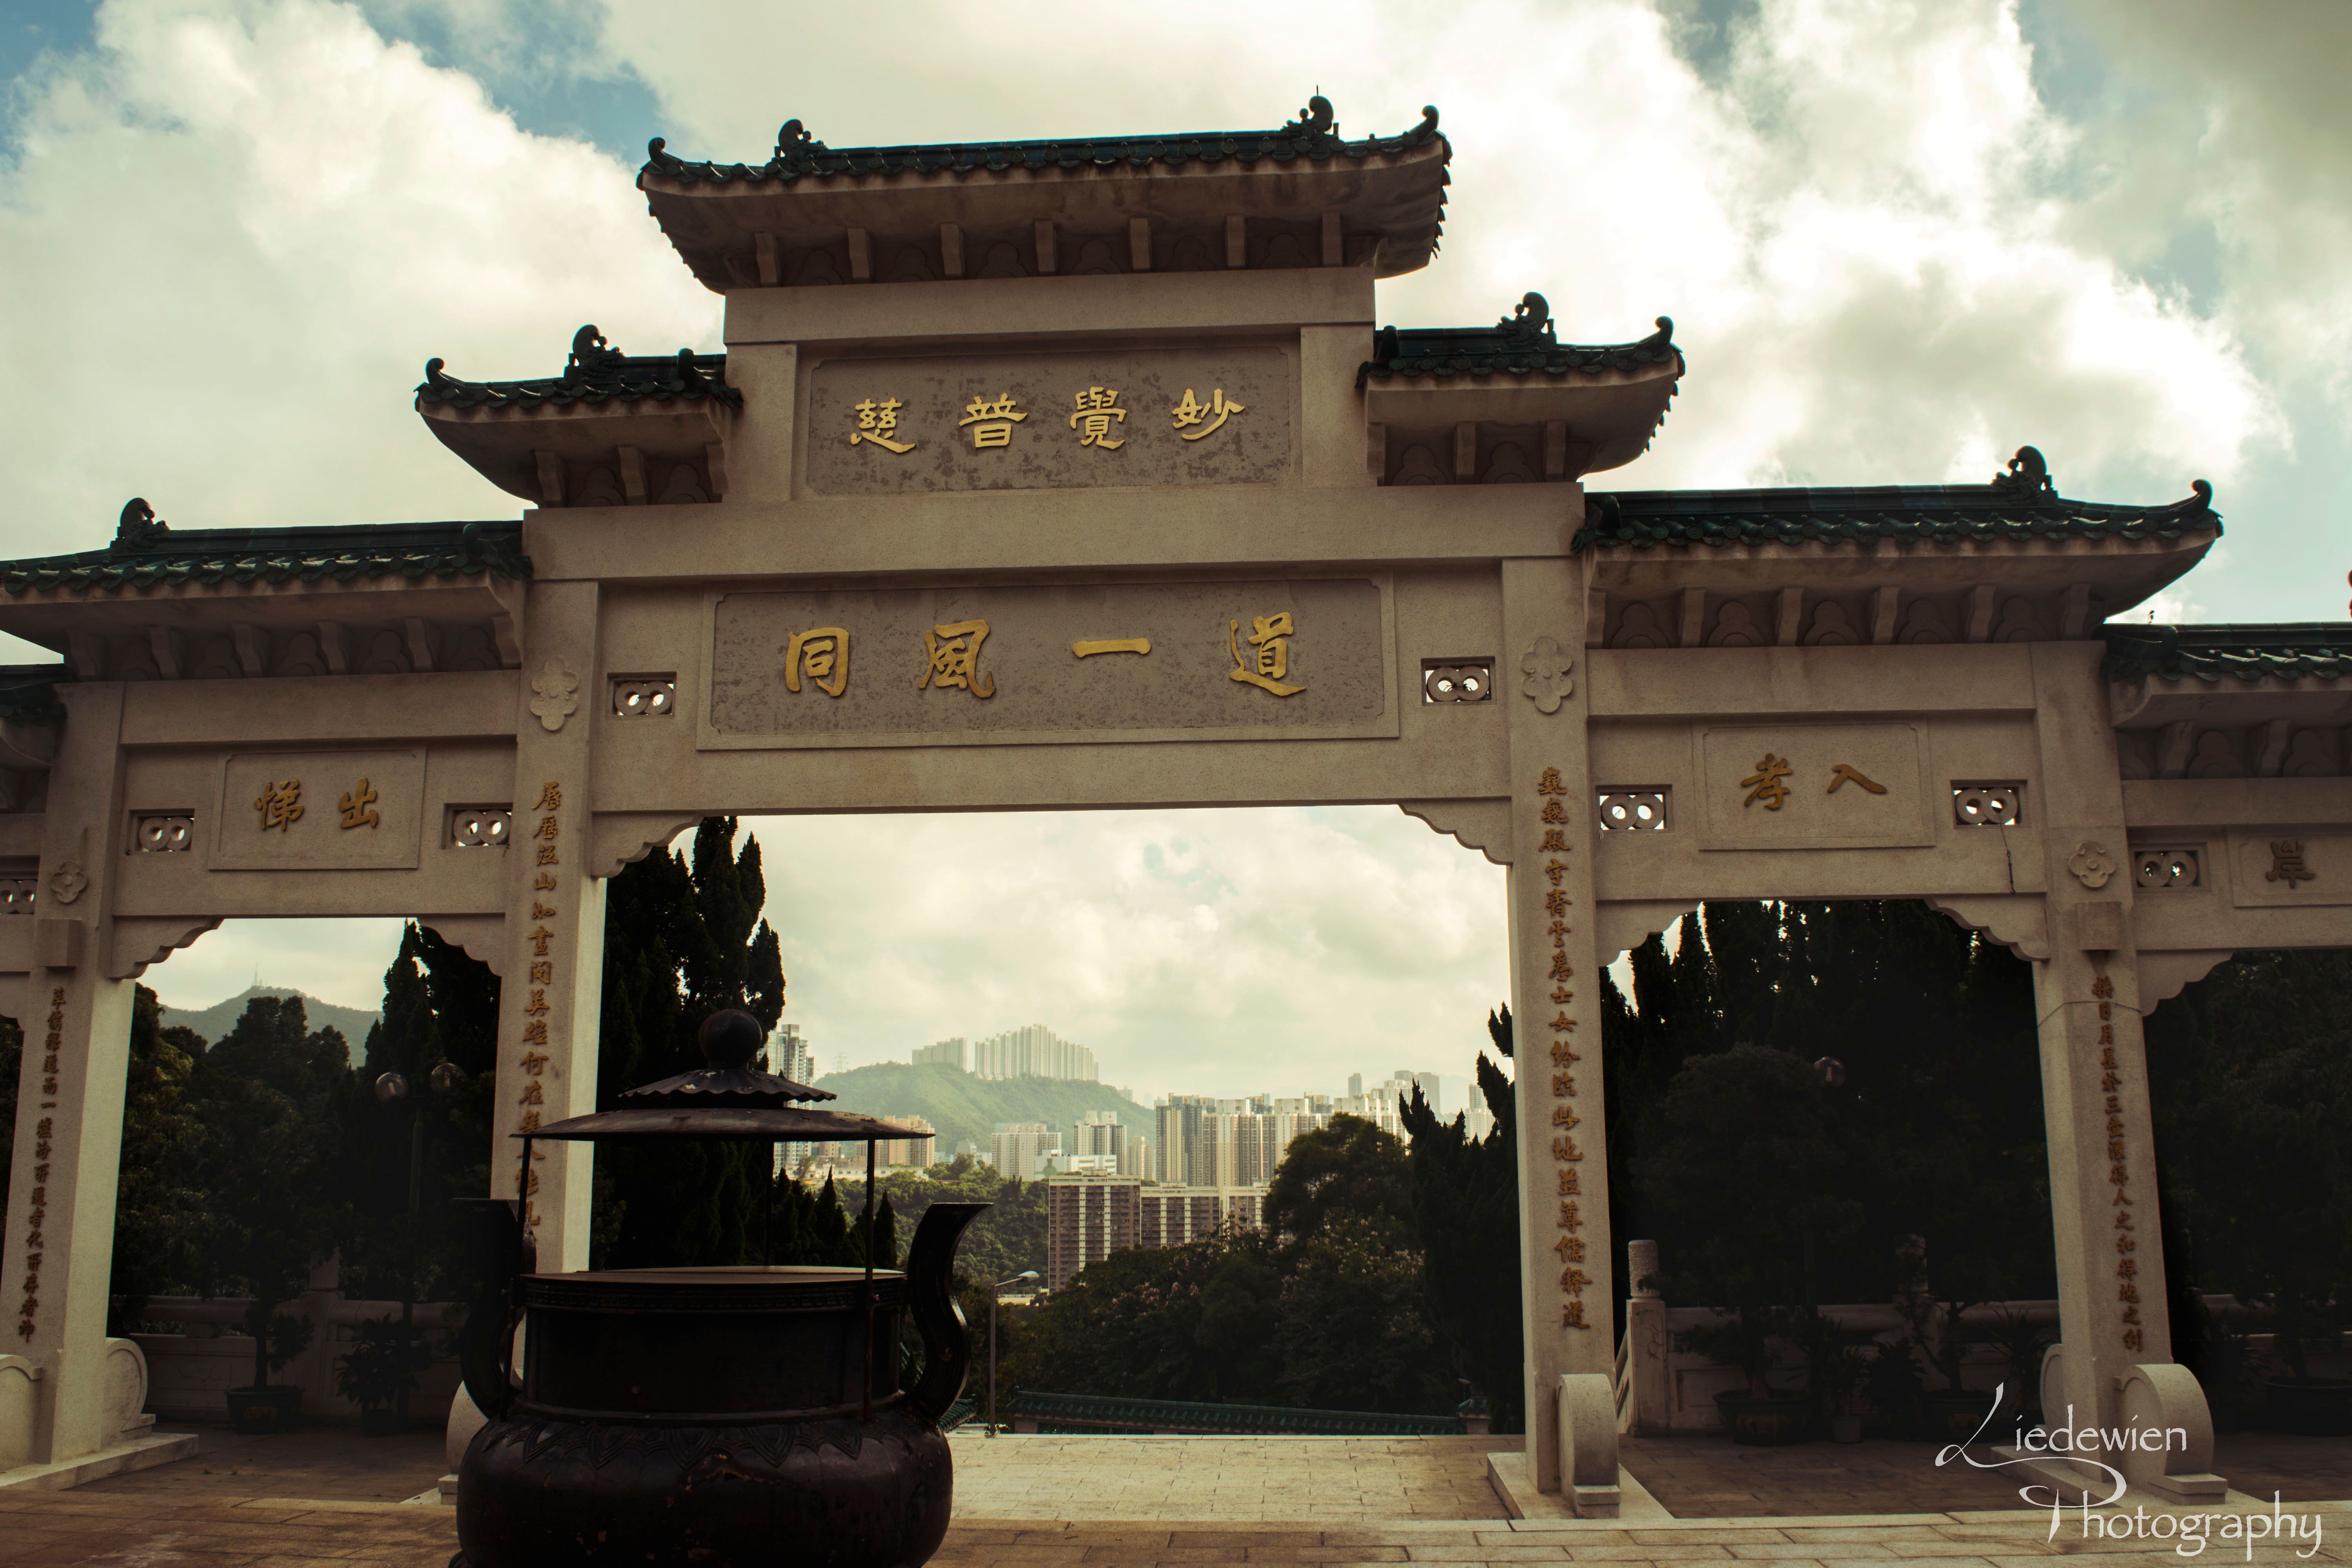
{"x": 551, "y": 989}
{"x": 1646, "y": 1362}
{"x": 69, "y": 1149}
{"x": 2110, "y": 1243}
{"x": 1565, "y": 1248}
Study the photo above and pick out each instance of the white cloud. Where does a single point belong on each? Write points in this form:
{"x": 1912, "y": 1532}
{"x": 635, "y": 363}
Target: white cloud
{"x": 246, "y": 227}
{"x": 1201, "y": 952}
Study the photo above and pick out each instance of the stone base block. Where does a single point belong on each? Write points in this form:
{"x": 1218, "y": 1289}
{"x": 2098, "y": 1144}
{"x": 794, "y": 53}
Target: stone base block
{"x": 117, "y": 1459}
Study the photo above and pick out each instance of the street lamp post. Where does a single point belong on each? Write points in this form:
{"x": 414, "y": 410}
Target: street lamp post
{"x": 993, "y": 1291}
{"x": 392, "y": 1089}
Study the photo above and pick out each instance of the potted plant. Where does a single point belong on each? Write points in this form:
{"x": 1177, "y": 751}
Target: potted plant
{"x": 276, "y": 1340}
{"x": 1751, "y": 1339}
{"x": 2022, "y": 1340}
{"x": 378, "y": 1371}
{"x": 1835, "y": 1380}
{"x": 1890, "y": 1384}
{"x": 2301, "y": 1327}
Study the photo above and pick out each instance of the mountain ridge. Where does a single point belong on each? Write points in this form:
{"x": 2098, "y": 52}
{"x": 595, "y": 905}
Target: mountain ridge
{"x": 965, "y": 1108}
{"x": 214, "y": 1022}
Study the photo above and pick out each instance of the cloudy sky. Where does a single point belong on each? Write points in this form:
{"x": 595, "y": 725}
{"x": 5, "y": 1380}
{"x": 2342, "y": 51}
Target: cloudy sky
{"x": 1897, "y": 240}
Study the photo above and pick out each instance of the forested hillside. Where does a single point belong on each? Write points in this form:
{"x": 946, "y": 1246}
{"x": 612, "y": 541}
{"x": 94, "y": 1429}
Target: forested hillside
{"x": 965, "y": 1108}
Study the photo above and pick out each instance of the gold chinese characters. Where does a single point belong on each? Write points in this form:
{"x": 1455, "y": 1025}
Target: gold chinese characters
{"x": 1189, "y": 413}
{"x": 2288, "y": 864}
{"x": 1270, "y": 635}
{"x": 541, "y": 973}
{"x": 1564, "y": 1120}
{"x": 823, "y": 654}
{"x": 2103, "y": 991}
{"x": 877, "y": 423}
{"x": 37, "y": 1213}
{"x": 1769, "y": 785}
{"x": 280, "y": 806}
{"x": 1086, "y": 648}
{"x": 1097, "y": 406}
{"x": 357, "y": 807}
{"x": 990, "y": 421}
{"x": 955, "y": 659}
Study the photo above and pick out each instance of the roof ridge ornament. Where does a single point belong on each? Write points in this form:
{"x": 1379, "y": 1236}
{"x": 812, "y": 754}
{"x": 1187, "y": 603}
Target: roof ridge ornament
{"x": 591, "y": 356}
{"x": 1529, "y": 322}
{"x": 2200, "y": 498}
{"x": 794, "y": 138}
{"x": 2027, "y": 474}
{"x": 138, "y": 525}
{"x": 1316, "y": 119}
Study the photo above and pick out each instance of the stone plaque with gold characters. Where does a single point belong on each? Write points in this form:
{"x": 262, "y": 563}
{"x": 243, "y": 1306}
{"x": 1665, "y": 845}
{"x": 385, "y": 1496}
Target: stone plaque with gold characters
{"x": 992, "y": 422}
{"x": 1125, "y": 661}
{"x": 1812, "y": 786}
{"x": 354, "y": 810}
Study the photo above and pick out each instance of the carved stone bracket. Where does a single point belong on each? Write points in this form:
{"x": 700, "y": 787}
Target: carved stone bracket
{"x": 2016, "y": 921}
{"x": 2164, "y": 975}
{"x": 481, "y": 936}
{"x": 625, "y": 838}
{"x": 1481, "y": 825}
{"x": 140, "y": 941}
{"x": 1624, "y": 926}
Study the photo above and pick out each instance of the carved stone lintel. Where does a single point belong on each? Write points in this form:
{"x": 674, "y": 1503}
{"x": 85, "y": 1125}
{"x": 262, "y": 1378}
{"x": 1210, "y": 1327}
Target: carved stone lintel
{"x": 2018, "y": 921}
{"x": 625, "y": 838}
{"x": 1547, "y": 682}
{"x": 148, "y": 939}
{"x": 1481, "y": 825}
{"x": 555, "y": 695}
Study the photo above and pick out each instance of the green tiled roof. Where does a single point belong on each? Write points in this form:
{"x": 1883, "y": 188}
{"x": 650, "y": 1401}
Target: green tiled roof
{"x": 1314, "y": 136}
{"x": 147, "y": 554}
{"x": 28, "y": 693}
{"x": 1522, "y": 345}
{"x": 1094, "y": 1411}
{"x": 593, "y": 373}
{"x": 2017, "y": 508}
{"x": 2290, "y": 650}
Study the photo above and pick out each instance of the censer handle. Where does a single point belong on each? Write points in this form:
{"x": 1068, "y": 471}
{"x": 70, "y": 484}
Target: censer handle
{"x": 930, "y": 1268}
{"x": 486, "y": 1344}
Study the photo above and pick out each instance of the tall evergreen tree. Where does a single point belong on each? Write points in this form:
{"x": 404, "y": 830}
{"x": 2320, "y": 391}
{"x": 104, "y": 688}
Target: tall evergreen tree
{"x": 681, "y": 942}
{"x": 1465, "y": 1204}
{"x": 158, "y": 1205}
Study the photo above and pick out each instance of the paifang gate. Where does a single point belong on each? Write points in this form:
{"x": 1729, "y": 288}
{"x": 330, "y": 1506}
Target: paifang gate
{"x": 1069, "y": 474}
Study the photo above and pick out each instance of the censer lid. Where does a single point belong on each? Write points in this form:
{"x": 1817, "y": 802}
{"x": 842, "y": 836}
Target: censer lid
{"x": 728, "y": 1099}
{"x": 729, "y": 1040}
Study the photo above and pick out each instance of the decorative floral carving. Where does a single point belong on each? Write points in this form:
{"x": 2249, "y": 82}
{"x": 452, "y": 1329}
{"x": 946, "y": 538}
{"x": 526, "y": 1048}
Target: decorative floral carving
{"x": 2091, "y": 864}
{"x": 555, "y": 695}
{"x": 1548, "y": 683}
{"x": 68, "y": 882}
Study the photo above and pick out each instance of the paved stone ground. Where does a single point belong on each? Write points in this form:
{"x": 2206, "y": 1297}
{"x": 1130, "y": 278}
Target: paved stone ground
{"x": 320, "y": 1463}
{"x": 318, "y": 1497}
{"x": 1281, "y": 1480}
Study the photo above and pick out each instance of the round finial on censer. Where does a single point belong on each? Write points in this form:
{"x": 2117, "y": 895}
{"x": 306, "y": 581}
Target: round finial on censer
{"x": 730, "y": 1039}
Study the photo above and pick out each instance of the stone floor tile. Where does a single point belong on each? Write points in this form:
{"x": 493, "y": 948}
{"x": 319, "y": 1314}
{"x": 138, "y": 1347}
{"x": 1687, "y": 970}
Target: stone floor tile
{"x": 1799, "y": 1550}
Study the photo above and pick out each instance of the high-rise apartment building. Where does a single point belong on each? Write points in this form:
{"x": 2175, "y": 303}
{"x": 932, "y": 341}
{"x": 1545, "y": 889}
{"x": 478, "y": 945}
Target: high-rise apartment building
{"x": 908, "y": 1153}
{"x": 1022, "y": 1150}
{"x": 950, "y": 1052}
{"x": 1100, "y": 1133}
{"x": 1089, "y": 1217}
{"x": 1184, "y": 1140}
{"x": 788, "y": 1055}
{"x": 1032, "y": 1051}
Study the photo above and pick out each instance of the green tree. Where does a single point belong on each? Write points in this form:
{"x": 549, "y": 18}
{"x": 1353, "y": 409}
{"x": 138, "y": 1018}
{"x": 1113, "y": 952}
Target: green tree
{"x": 1350, "y": 1327}
{"x": 158, "y": 1206}
{"x": 439, "y": 1006}
{"x": 1465, "y": 1206}
{"x": 2251, "y": 1072}
{"x": 681, "y": 942}
{"x": 1197, "y": 1322}
{"x": 264, "y": 1096}
{"x": 1346, "y": 1167}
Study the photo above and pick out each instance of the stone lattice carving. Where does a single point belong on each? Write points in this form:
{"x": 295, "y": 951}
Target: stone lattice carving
{"x": 1546, "y": 667}
{"x": 555, "y": 695}
{"x": 2091, "y": 864}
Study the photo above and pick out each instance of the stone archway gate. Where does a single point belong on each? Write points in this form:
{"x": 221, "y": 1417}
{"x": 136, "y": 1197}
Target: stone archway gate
{"x": 1048, "y": 474}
